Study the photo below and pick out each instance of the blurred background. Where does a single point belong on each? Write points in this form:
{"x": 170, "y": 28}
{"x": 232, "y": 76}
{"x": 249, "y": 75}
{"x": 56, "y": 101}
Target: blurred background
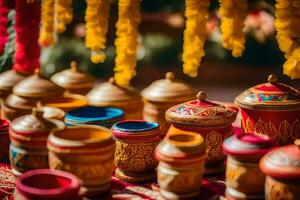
{"x": 161, "y": 35}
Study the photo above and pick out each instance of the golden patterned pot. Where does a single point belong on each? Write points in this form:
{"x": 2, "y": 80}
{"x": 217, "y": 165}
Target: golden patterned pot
{"x": 181, "y": 158}
{"x": 282, "y": 168}
{"x": 73, "y": 80}
{"x": 87, "y": 152}
{"x": 272, "y": 109}
{"x": 8, "y": 80}
{"x": 161, "y": 95}
{"x": 244, "y": 180}
{"x": 110, "y": 94}
{"x": 213, "y": 121}
{"x": 136, "y": 141}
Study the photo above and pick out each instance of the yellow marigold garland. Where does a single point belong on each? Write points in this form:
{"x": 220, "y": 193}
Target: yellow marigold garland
{"x": 287, "y": 24}
{"x": 47, "y": 35}
{"x": 195, "y": 34}
{"x": 127, "y": 40}
{"x": 63, "y": 13}
{"x": 233, "y": 14}
{"x": 97, "y": 14}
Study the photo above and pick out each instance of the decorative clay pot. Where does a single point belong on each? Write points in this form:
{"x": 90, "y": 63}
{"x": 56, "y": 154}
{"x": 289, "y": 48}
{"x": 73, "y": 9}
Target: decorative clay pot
{"x": 73, "y": 80}
{"x": 213, "y": 121}
{"x": 136, "y": 141}
{"x": 244, "y": 180}
{"x": 42, "y": 184}
{"x": 8, "y": 80}
{"x": 271, "y": 109}
{"x": 181, "y": 158}
{"x": 103, "y": 116}
{"x": 161, "y": 95}
{"x": 110, "y": 94}
{"x": 282, "y": 168}
{"x": 4, "y": 141}
{"x": 87, "y": 152}
{"x": 28, "y": 136}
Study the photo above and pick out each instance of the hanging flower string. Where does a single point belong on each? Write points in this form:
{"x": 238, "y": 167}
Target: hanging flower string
{"x": 287, "y": 24}
{"x": 63, "y": 14}
{"x": 4, "y": 8}
{"x": 97, "y": 14}
{"x": 47, "y": 35}
{"x": 27, "y": 49}
{"x": 233, "y": 14}
{"x": 195, "y": 34}
{"x": 127, "y": 41}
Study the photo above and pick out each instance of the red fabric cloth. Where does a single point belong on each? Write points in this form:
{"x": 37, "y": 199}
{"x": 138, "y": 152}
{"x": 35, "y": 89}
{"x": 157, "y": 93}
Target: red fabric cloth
{"x": 27, "y": 49}
{"x": 4, "y": 8}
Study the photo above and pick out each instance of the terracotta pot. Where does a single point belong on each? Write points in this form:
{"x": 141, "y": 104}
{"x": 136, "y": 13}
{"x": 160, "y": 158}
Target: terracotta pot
{"x": 136, "y": 141}
{"x": 103, "y": 116}
{"x": 8, "y": 80}
{"x": 271, "y": 109}
{"x": 42, "y": 184}
{"x": 213, "y": 121}
{"x": 73, "y": 80}
{"x": 87, "y": 152}
{"x": 4, "y": 141}
{"x": 181, "y": 158}
{"x": 282, "y": 168}
{"x": 110, "y": 94}
{"x": 28, "y": 136}
{"x": 161, "y": 95}
{"x": 244, "y": 180}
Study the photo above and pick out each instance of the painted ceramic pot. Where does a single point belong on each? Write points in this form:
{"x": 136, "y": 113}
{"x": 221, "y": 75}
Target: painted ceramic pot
{"x": 47, "y": 184}
{"x": 4, "y": 141}
{"x": 103, "y": 116}
{"x": 282, "y": 168}
{"x": 110, "y": 94}
{"x": 28, "y": 136}
{"x": 73, "y": 80}
{"x": 271, "y": 109}
{"x": 8, "y": 80}
{"x": 161, "y": 95}
{"x": 181, "y": 158}
{"x": 244, "y": 180}
{"x": 87, "y": 152}
{"x": 66, "y": 103}
{"x": 136, "y": 141}
{"x": 213, "y": 121}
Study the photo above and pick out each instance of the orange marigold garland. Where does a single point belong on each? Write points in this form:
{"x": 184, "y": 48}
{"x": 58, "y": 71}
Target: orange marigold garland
{"x": 287, "y": 24}
{"x": 63, "y": 14}
{"x": 127, "y": 40}
{"x": 195, "y": 34}
{"x": 97, "y": 14}
{"x": 233, "y": 14}
{"x": 47, "y": 34}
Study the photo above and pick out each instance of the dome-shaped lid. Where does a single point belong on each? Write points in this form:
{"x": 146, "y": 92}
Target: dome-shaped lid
{"x": 37, "y": 86}
{"x": 283, "y": 162}
{"x": 73, "y": 78}
{"x": 168, "y": 89}
{"x": 200, "y": 112}
{"x": 9, "y": 79}
{"x": 270, "y": 96}
{"x": 109, "y": 93}
{"x": 34, "y": 122}
{"x": 246, "y": 144}
{"x": 15, "y": 101}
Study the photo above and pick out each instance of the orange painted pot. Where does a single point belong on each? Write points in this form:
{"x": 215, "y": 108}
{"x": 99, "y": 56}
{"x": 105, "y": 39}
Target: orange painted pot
{"x": 87, "y": 152}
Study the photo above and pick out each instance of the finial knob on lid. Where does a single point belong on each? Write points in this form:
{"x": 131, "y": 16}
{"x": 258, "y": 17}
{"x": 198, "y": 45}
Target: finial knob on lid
{"x": 201, "y": 96}
{"x": 170, "y": 76}
{"x": 297, "y": 142}
{"x": 37, "y": 71}
{"x": 272, "y": 78}
{"x": 112, "y": 81}
{"x": 73, "y": 65}
{"x": 37, "y": 112}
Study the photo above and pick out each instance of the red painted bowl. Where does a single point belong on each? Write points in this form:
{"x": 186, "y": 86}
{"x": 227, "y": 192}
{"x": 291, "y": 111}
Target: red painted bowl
{"x": 47, "y": 184}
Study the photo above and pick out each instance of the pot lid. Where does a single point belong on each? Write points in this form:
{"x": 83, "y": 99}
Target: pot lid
{"x": 15, "y": 101}
{"x": 270, "y": 96}
{"x": 73, "y": 78}
{"x": 109, "y": 93}
{"x": 34, "y": 122}
{"x": 9, "y": 79}
{"x": 246, "y": 144}
{"x": 168, "y": 89}
{"x": 283, "y": 162}
{"x": 200, "y": 112}
{"x": 37, "y": 86}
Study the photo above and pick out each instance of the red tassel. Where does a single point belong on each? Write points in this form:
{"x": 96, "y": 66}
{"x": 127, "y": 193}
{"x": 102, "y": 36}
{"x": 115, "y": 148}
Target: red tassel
{"x": 27, "y": 49}
{"x": 4, "y": 8}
